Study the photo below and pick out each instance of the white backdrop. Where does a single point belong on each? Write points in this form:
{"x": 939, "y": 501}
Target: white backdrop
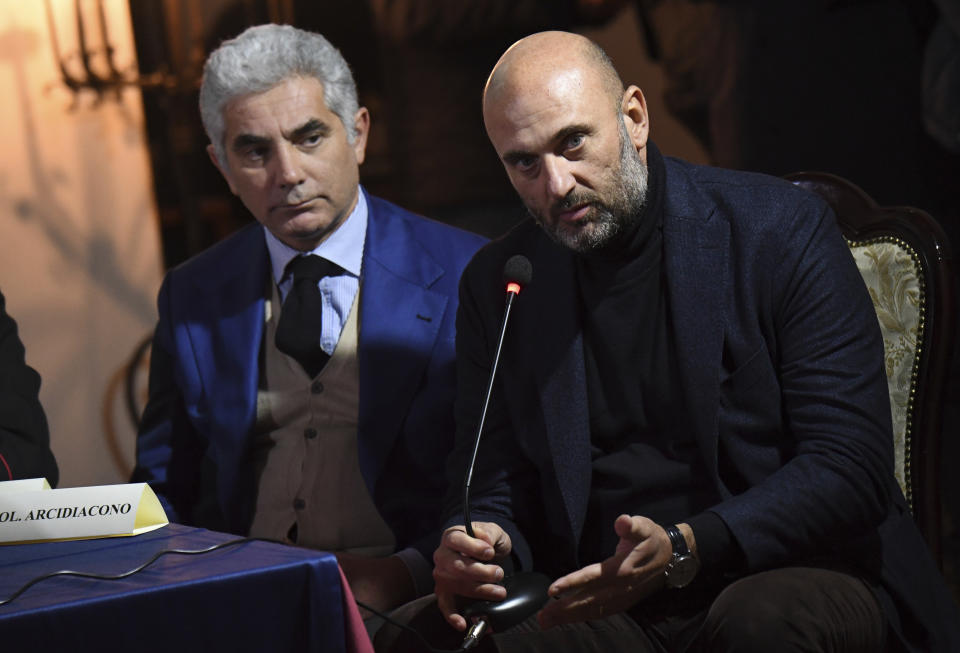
{"x": 80, "y": 257}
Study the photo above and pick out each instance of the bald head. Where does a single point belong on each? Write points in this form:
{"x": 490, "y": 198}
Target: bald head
{"x": 536, "y": 61}
{"x": 571, "y": 138}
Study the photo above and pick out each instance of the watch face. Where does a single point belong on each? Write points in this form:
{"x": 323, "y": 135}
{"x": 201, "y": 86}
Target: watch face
{"x": 681, "y": 570}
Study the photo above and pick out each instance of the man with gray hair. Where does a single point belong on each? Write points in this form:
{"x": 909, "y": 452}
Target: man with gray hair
{"x": 302, "y": 371}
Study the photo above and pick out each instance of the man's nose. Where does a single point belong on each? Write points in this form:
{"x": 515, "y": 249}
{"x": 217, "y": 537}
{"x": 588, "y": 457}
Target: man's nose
{"x": 289, "y": 171}
{"x": 559, "y": 176}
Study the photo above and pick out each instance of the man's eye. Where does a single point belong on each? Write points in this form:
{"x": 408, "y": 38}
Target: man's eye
{"x": 255, "y": 154}
{"x": 525, "y": 163}
{"x": 311, "y": 139}
{"x": 574, "y": 141}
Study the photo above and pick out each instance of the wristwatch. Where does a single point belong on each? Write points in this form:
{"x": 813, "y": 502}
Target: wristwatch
{"x": 681, "y": 570}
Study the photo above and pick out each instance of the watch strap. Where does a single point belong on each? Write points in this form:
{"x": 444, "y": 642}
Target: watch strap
{"x": 678, "y": 541}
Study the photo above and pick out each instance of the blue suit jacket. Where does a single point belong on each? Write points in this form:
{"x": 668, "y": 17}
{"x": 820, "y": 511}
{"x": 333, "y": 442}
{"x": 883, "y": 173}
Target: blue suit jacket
{"x": 194, "y": 436}
{"x": 780, "y": 360}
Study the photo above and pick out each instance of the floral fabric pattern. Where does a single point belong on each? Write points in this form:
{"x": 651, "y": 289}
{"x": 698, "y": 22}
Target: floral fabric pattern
{"x": 892, "y": 274}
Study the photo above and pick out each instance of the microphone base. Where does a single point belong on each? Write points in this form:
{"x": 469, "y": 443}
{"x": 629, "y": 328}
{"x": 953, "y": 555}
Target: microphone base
{"x": 526, "y": 594}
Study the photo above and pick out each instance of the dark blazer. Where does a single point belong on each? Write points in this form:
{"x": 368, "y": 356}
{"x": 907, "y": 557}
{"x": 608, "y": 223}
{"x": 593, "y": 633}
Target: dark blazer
{"x": 781, "y": 364}
{"x": 24, "y": 438}
{"x": 194, "y": 437}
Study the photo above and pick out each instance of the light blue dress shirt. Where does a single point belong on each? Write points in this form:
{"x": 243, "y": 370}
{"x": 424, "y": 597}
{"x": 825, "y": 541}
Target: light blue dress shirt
{"x": 343, "y": 247}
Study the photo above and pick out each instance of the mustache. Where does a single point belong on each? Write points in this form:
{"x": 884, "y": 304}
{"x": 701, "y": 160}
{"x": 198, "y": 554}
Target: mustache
{"x": 572, "y": 199}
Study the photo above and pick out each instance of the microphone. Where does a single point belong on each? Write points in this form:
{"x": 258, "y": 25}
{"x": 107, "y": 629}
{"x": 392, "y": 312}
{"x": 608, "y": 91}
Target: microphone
{"x": 517, "y": 273}
{"x": 526, "y": 591}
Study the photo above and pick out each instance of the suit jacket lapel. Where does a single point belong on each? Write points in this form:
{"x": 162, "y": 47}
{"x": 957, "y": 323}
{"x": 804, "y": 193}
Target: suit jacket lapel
{"x": 400, "y": 319}
{"x": 696, "y": 247}
{"x": 226, "y": 335}
{"x": 554, "y": 335}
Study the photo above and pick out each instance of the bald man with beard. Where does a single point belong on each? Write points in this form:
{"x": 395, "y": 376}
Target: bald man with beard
{"x": 690, "y": 428}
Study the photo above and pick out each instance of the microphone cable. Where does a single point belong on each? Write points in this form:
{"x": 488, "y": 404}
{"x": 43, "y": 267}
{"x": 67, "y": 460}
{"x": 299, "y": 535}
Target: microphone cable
{"x": 210, "y": 549}
{"x": 423, "y": 640}
{"x": 126, "y": 574}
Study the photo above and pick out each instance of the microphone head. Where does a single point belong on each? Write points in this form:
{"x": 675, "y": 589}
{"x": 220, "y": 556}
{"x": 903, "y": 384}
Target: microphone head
{"x": 517, "y": 272}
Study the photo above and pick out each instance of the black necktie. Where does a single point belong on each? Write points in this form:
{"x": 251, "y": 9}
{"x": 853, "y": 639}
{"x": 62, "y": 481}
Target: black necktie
{"x": 298, "y": 331}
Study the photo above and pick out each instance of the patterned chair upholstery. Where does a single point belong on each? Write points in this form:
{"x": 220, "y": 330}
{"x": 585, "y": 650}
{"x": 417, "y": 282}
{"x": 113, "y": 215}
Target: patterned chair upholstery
{"x": 906, "y": 264}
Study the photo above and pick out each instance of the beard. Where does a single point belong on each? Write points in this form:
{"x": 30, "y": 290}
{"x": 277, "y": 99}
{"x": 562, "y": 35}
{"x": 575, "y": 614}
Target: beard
{"x": 608, "y": 217}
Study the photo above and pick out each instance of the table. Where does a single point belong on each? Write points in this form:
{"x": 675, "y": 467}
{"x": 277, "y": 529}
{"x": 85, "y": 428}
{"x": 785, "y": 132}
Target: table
{"x": 255, "y": 596}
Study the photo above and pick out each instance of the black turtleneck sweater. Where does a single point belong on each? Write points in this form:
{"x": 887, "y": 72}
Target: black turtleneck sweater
{"x": 645, "y": 458}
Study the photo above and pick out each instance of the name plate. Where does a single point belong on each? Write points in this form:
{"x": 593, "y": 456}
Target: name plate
{"x": 31, "y": 512}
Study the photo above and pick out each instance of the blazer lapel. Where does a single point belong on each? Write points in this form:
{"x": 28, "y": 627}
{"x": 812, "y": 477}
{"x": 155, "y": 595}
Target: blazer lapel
{"x": 226, "y": 334}
{"x": 400, "y": 320}
{"x": 696, "y": 246}
{"x": 553, "y": 338}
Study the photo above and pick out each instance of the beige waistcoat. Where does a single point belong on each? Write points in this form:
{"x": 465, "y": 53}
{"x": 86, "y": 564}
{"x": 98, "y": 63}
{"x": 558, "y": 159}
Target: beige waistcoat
{"x": 310, "y": 491}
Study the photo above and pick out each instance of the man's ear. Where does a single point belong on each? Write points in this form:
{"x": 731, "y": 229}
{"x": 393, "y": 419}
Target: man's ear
{"x": 212, "y": 153}
{"x": 361, "y": 127}
{"x": 635, "y": 118}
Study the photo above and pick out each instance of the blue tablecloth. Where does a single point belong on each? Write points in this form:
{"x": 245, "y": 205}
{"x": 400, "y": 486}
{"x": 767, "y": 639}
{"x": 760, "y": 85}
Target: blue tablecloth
{"x": 254, "y": 596}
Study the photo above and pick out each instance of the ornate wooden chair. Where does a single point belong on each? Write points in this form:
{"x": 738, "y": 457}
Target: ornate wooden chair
{"x": 907, "y": 264}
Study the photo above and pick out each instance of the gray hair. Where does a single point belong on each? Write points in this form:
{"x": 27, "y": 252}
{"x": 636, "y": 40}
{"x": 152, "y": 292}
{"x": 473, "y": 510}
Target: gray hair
{"x": 262, "y": 57}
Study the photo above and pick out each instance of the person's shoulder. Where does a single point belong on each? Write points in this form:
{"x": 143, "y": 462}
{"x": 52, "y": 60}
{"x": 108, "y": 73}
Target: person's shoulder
{"x": 397, "y": 227}
{"x": 753, "y": 204}
{"x": 387, "y": 210}
{"x": 733, "y": 187}
{"x": 237, "y": 251}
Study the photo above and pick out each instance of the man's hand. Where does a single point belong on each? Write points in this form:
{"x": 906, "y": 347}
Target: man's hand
{"x": 461, "y": 569}
{"x": 381, "y": 583}
{"x": 634, "y": 572}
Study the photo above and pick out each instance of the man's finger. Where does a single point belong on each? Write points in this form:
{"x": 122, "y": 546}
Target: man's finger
{"x": 574, "y": 607}
{"x": 461, "y": 569}
{"x": 576, "y": 580}
{"x": 471, "y": 589}
{"x": 445, "y": 603}
{"x": 456, "y": 539}
{"x": 633, "y": 528}
{"x": 494, "y": 535}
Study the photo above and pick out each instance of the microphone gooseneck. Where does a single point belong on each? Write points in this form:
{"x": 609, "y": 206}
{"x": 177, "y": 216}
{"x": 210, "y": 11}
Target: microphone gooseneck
{"x": 517, "y": 273}
{"x": 527, "y": 591}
